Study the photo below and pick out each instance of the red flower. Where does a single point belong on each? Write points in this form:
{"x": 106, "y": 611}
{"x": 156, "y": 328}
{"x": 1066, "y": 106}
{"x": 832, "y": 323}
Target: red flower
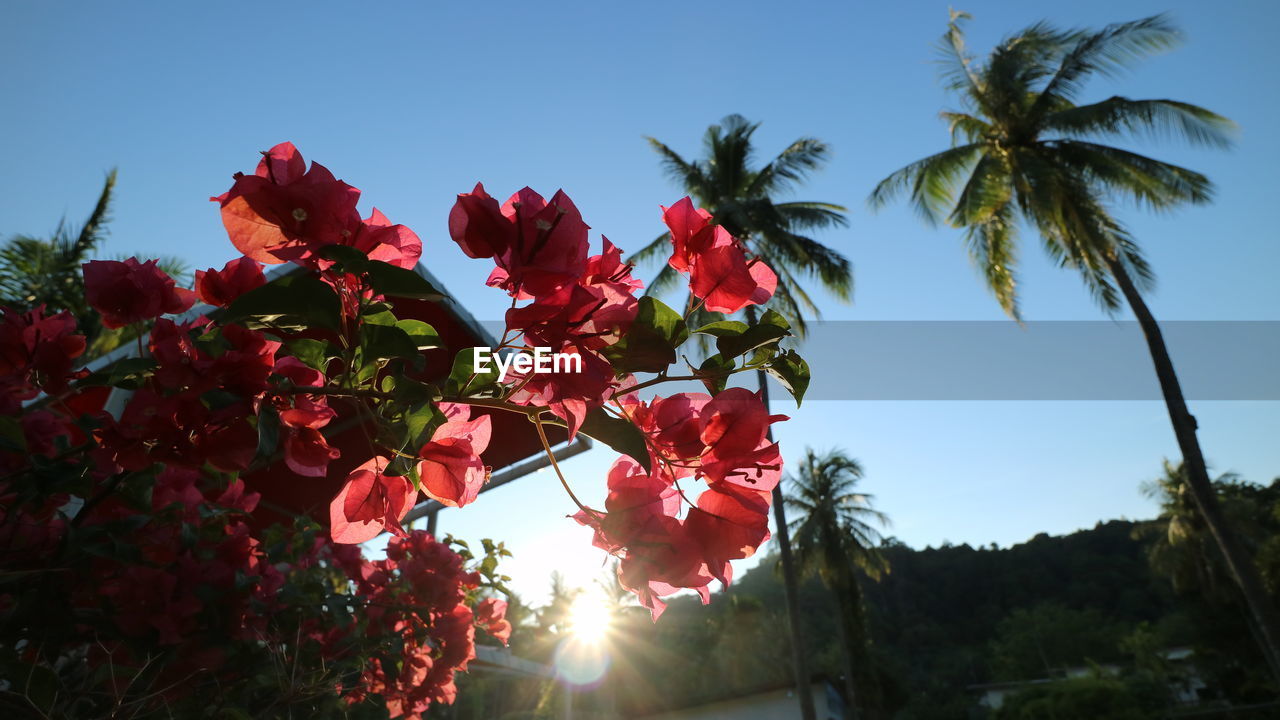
{"x": 394, "y": 244}
{"x": 538, "y": 246}
{"x": 691, "y": 233}
{"x": 221, "y": 287}
{"x": 727, "y": 283}
{"x": 130, "y": 291}
{"x": 369, "y": 503}
{"x": 569, "y": 394}
{"x": 307, "y": 453}
{"x": 35, "y": 351}
{"x": 491, "y": 614}
{"x": 720, "y": 273}
{"x": 592, "y": 313}
{"x": 284, "y": 211}
{"x": 451, "y": 469}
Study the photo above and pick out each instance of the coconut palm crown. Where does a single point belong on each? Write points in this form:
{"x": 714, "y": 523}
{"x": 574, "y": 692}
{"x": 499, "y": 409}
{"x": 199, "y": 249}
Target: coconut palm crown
{"x": 1025, "y": 149}
{"x": 741, "y": 197}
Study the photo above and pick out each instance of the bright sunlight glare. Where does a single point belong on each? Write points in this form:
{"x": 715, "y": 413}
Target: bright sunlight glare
{"x": 589, "y": 617}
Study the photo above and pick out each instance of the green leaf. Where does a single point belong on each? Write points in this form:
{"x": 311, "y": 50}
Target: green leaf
{"x": 617, "y": 433}
{"x": 792, "y": 372}
{"x": 717, "y": 368}
{"x": 394, "y": 281}
{"x": 12, "y": 438}
{"x": 723, "y": 328}
{"x": 650, "y": 343}
{"x": 419, "y": 423}
{"x": 314, "y": 353}
{"x": 378, "y": 315}
{"x": 421, "y": 333}
{"x": 464, "y": 380}
{"x": 385, "y": 342}
{"x": 771, "y": 328}
{"x": 126, "y": 373}
{"x": 293, "y": 302}
{"x": 268, "y": 432}
{"x": 349, "y": 259}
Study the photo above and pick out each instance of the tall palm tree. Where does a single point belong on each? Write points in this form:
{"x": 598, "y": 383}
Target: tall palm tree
{"x": 1025, "y": 149}
{"x": 743, "y": 199}
{"x": 835, "y": 539}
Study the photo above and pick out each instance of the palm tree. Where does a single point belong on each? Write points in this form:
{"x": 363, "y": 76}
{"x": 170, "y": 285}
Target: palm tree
{"x": 835, "y": 540}
{"x": 1180, "y": 547}
{"x": 742, "y": 199}
{"x": 1024, "y": 149}
{"x": 47, "y": 271}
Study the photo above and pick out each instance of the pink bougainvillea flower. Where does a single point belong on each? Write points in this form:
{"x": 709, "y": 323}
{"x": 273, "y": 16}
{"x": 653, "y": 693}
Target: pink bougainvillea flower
{"x": 394, "y": 244}
{"x": 722, "y": 278}
{"x": 491, "y": 614}
{"x": 230, "y": 447}
{"x": 235, "y": 496}
{"x": 221, "y": 287}
{"x": 538, "y": 246}
{"x": 129, "y": 291}
{"x": 591, "y": 313}
{"x": 734, "y": 422}
{"x": 720, "y": 273}
{"x": 640, "y": 526}
{"x": 369, "y": 503}
{"x": 729, "y": 523}
{"x": 477, "y": 224}
{"x": 35, "y": 352}
{"x": 568, "y": 394}
{"x": 245, "y": 367}
{"x": 675, "y": 424}
{"x": 284, "y": 211}
{"x": 451, "y": 470}
{"x": 307, "y": 453}
{"x": 691, "y": 233}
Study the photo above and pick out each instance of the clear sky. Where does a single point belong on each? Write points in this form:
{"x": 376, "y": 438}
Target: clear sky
{"x": 414, "y": 102}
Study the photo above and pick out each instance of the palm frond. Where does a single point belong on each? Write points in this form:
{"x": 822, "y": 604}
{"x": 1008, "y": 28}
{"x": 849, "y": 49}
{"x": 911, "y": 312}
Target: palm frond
{"x": 658, "y": 248}
{"x": 1156, "y": 184}
{"x": 1104, "y": 52}
{"x": 687, "y": 174}
{"x": 964, "y": 125}
{"x": 729, "y": 155}
{"x": 94, "y": 231}
{"x": 1152, "y": 118}
{"x": 791, "y": 166}
{"x": 812, "y": 215}
{"x": 931, "y": 181}
{"x": 955, "y": 63}
{"x": 986, "y": 192}
{"x": 792, "y": 252}
{"x": 992, "y": 245}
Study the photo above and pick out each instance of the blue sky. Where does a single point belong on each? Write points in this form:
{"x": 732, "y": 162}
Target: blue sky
{"x": 414, "y": 102}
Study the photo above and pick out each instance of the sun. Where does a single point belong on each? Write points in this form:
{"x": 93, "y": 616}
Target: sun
{"x": 589, "y": 617}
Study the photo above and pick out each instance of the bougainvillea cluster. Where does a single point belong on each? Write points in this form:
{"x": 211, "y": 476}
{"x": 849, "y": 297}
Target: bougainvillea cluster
{"x": 265, "y": 369}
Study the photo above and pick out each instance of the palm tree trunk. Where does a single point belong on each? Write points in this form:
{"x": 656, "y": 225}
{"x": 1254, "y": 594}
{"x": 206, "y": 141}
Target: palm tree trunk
{"x": 846, "y": 605}
{"x": 1241, "y": 566}
{"x": 799, "y": 657}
